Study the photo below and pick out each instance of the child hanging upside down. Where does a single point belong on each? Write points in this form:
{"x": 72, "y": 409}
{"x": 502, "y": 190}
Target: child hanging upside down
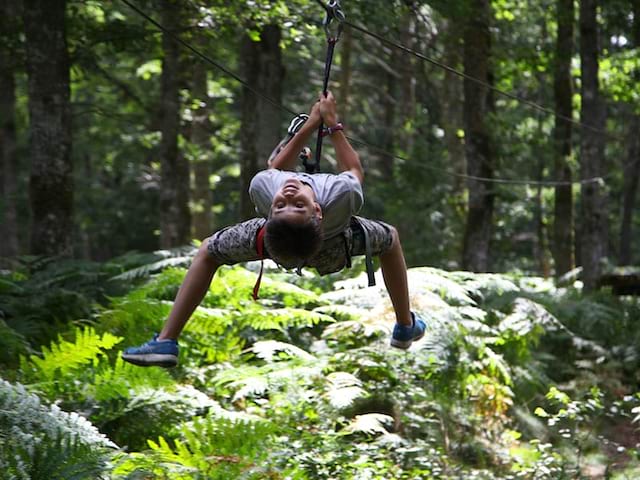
{"x": 309, "y": 221}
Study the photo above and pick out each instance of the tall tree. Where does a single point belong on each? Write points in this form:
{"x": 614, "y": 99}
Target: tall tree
{"x": 51, "y": 181}
{"x": 261, "y": 121}
{"x": 478, "y": 149}
{"x": 451, "y": 105}
{"x": 202, "y": 220}
{"x": 563, "y": 91}
{"x": 175, "y": 219}
{"x": 632, "y": 167}
{"x": 9, "y": 21}
{"x": 593, "y": 232}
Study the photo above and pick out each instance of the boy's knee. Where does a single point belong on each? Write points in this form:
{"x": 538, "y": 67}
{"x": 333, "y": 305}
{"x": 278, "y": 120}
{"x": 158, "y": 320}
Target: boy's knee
{"x": 395, "y": 236}
{"x": 203, "y": 253}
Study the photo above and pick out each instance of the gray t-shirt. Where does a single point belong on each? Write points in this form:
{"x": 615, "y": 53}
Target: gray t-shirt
{"x": 340, "y": 196}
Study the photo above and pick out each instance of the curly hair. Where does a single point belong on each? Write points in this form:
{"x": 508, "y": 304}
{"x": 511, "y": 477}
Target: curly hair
{"x": 291, "y": 244}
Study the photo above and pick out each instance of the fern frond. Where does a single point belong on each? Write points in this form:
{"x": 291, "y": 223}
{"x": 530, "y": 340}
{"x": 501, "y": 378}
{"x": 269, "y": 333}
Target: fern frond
{"x": 267, "y": 349}
{"x": 496, "y": 365}
{"x": 341, "y": 312}
{"x": 146, "y": 270}
{"x": 123, "y": 378}
{"x": 46, "y": 442}
{"x": 282, "y": 318}
{"x": 526, "y": 316}
{"x": 233, "y": 287}
{"x": 177, "y": 257}
{"x": 343, "y": 388}
{"x": 445, "y": 284}
{"x": 370, "y": 423}
{"x": 64, "y": 357}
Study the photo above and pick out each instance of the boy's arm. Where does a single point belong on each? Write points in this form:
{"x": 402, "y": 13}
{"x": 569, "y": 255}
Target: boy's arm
{"x": 347, "y": 158}
{"x": 288, "y": 157}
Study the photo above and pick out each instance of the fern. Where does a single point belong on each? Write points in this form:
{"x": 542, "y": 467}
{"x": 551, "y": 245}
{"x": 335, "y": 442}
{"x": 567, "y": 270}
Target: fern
{"x": 266, "y": 351}
{"x": 285, "y": 373}
{"x": 343, "y": 388}
{"x": 369, "y": 423}
{"x": 217, "y": 449}
{"x": 179, "y": 257}
{"x": 64, "y": 358}
{"x": 119, "y": 381}
{"x": 281, "y": 318}
{"x": 39, "y": 441}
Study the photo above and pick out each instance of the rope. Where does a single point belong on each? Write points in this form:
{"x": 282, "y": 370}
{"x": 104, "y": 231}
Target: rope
{"x": 278, "y": 105}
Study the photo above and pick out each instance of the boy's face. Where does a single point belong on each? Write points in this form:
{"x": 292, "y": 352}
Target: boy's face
{"x": 295, "y": 202}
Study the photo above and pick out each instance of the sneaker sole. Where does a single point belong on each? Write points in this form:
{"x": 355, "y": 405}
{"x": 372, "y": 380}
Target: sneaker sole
{"x": 152, "y": 360}
{"x": 405, "y": 344}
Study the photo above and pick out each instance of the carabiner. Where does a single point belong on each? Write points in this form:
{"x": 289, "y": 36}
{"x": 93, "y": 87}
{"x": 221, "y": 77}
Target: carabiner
{"x": 333, "y": 12}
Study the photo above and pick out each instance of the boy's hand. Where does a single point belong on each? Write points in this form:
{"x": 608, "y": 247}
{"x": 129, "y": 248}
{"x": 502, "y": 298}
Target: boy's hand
{"x": 328, "y": 109}
{"x": 315, "y": 119}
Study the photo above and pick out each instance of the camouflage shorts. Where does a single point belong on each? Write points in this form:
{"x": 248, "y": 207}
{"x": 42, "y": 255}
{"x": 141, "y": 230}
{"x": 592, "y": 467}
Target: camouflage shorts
{"x": 237, "y": 244}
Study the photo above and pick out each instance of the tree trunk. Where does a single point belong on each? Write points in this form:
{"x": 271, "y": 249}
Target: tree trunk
{"x": 631, "y": 177}
{"x": 261, "y": 121}
{"x": 202, "y": 219}
{"x": 593, "y": 203}
{"x": 563, "y": 91}
{"x": 632, "y": 168}
{"x": 478, "y": 148}
{"x": 405, "y": 66}
{"x": 175, "y": 218}
{"x": 452, "y": 107}
{"x": 540, "y": 247}
{"x": 388, "y": 124}
{"x": 51, "y": 180}
{"x": 9, "y": 21}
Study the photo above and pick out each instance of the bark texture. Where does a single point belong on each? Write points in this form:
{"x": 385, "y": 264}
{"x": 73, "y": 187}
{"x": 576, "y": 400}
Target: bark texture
{"x": 51, "y": 181}
{"x": 478, "y": 148}
{"x": 202, "y": 219}
{"x": 261, "y": 121}
{"x": 632, "y": 168}
{"x": 563, "y": 91}
{"x": 593, "y": 231}
{"x": 175, "y": 218}
{"x": 9, "y": 21}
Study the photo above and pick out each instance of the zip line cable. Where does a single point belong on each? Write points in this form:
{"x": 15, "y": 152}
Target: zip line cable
{"x": 512, "y": 96}
{"x": 284, "y": 108}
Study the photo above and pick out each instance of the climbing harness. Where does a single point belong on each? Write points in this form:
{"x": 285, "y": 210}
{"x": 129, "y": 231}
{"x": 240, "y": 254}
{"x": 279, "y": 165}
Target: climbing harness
{"x": 333, "y": 31}
{"x": 260, "y": 252}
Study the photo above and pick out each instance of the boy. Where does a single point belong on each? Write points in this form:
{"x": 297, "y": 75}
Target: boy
{"x": 308, "y": 220}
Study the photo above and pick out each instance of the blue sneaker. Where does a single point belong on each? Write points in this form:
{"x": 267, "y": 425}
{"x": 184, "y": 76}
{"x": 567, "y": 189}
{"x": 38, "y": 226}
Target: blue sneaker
{"x": 403, "y": 336}
{"x": 161, "y": 353}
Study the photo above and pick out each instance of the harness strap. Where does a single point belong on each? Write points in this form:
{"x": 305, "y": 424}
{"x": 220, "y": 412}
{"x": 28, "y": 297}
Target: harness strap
{"x": 368, "y": 260}
{"x": 260, "y": 251}
{"x": 368, "y": 254}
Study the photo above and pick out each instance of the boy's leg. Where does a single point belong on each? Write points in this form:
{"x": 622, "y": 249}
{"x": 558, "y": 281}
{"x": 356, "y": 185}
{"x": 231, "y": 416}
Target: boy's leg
{"x": 233, "y": 244}
{"x": 191, "y": 292}
{"x": 162, "y": 349}
{"x": 394, "y": 272}
{"x": 385, "y": 243}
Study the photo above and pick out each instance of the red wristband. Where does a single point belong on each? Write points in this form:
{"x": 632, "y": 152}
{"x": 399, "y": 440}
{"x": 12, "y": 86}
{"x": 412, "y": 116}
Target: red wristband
{"x": 331, "y": 130}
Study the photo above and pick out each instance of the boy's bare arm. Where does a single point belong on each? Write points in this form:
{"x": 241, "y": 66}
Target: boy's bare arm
{"x": 347, "y": 158}
{"x": 288, "y": 157}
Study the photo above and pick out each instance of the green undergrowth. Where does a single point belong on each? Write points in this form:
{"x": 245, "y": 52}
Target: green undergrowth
{"x": 515, "y": 378}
